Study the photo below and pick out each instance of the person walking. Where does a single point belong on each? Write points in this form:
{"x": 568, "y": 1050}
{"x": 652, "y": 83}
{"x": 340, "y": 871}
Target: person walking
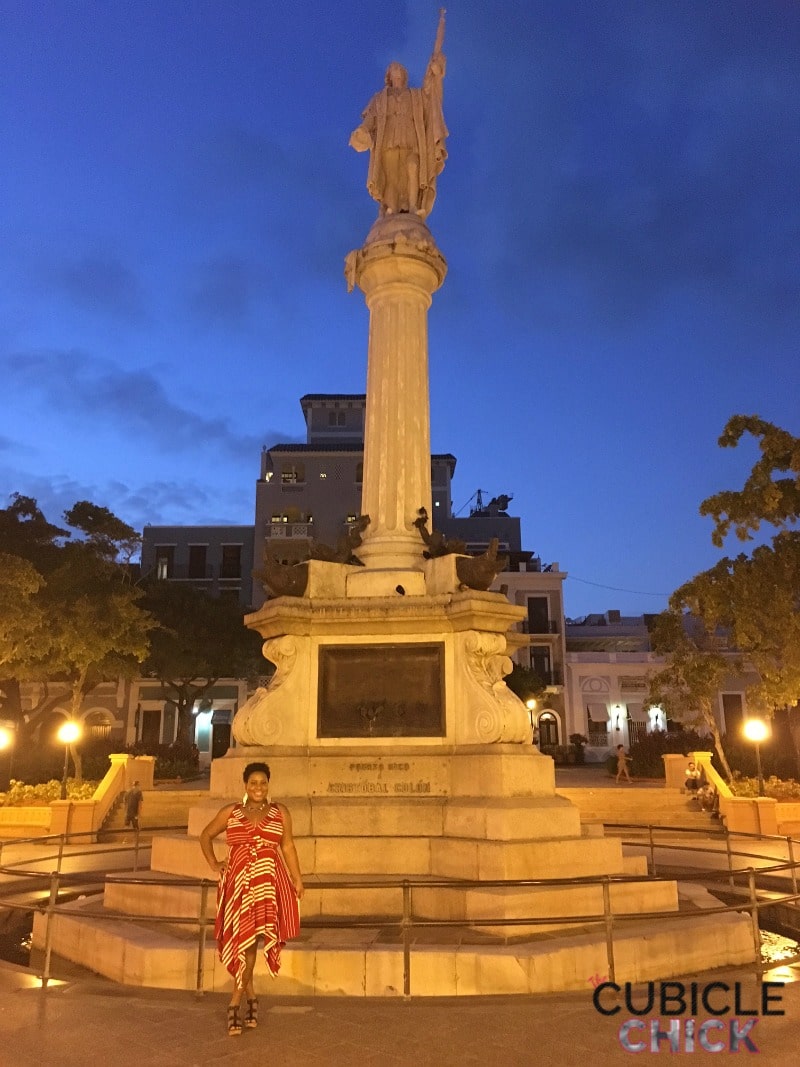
{"x": 622, "y": 765}
{"x": 133, "y": 806}
{"x": 260, "y": 885}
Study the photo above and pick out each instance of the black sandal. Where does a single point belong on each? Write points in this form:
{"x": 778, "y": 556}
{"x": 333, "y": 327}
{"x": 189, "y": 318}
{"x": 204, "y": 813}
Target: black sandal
{"x": 234, "y": 1021}
{"x": 251, "y": 1016}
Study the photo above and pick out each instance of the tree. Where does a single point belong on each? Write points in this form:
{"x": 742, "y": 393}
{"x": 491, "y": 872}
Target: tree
{"x": 764, "y": 497}
{"x": 20, "y": 615}
{"x": 754, "y": 600}
{"x": 198, "y": 639}
{"x": 526, "y": 683}
{"x": 95, "y": 630}
{"x": 686, "y": 688}
{"x": 87, "y": 625}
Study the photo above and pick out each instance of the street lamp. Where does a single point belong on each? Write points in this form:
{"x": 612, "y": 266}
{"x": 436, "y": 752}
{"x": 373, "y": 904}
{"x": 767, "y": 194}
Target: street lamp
{"x": 531, "y": 706}
{"x": 756, "y": 730}
{"x": 6, "y": 744}
{"x": 67, "y": 735}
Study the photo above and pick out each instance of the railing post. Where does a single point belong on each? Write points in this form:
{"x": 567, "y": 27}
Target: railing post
{"x": 652, "y": 852}
{"x": 135, "y": 849}
{"x": 790, "y": 846}
{"x": 406, "y": 925}
{"x": 730, "y": 855}
{"x": 48, "y": 934}
{"x": 751, "y": 885}
{"x": 608, "y": 919}
{"x": 201, "y": 948}
{"x": 61, "y": 844}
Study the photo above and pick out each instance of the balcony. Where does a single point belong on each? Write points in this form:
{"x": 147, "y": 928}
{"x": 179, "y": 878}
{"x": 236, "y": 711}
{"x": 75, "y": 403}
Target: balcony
{"x": 290, "y": 531}
{"x": 182, "y": 572}
{"x": 539, "y": 626}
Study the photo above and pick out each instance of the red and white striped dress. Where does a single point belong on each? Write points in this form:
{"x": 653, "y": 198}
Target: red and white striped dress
{"x": 255, "y": 897}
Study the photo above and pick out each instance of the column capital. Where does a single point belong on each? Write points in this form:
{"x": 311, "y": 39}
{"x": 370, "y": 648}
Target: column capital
{"x": 401, "y": 249}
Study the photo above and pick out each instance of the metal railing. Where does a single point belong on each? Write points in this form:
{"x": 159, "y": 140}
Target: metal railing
{"x": 610, "y": 921}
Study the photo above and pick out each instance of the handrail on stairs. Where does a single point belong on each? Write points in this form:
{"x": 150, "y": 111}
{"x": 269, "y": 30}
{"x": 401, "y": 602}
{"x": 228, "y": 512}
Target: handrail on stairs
{"x": 407, "y": 922}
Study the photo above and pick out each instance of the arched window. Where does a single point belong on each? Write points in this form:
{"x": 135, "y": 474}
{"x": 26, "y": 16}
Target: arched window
{"x": 97, "y": 724}
{"x": 548, "y": 728}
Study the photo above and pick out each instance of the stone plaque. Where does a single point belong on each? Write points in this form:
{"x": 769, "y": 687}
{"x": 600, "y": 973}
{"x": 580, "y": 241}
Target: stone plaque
{"x": 381, "y": 691}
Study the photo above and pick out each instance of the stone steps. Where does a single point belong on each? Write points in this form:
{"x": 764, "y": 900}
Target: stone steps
{"x": 161, "y": 807}
{"x": 176, "y": 899}
{"x": 369, "y": 962}
{"x": 641, "y": 806}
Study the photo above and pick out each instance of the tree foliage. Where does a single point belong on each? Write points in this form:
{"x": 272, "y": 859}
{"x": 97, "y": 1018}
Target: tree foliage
{"x": 82, "y": 620}
{"x": 687, "y": 686}
{"x": 526, "y": 683}
{"x": 20, "y": 613}
{"x": 198, "y": 639}
{"x": 753, "y": 600}
{"x": 771, "y": 492}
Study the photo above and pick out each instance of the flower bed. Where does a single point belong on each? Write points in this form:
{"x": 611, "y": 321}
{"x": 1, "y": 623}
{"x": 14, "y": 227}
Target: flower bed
{"x": 21, "y": 795}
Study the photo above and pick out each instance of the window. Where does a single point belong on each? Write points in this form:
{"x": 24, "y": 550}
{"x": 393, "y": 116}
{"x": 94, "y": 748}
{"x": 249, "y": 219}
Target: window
{"x": 337, "y": 418}
{"x": 733, "y": 712}
{"x": 165, "y": 561}
{"x": 322, "y": 475}
{"x": 293, "y": 473}
{"x": 231, "y": 565}
{"x": 540, "y": 662}
{"x": 538, "y": 615}
{"x": 548, "y": 728}
{"x": 197, "y": 561}
{"x": 352, "y": 517}
{"x": 597, "y": 716}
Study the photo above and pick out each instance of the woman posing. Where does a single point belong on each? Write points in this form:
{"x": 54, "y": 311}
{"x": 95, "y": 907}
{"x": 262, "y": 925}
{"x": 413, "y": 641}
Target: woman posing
{"x": 257, "y": 896}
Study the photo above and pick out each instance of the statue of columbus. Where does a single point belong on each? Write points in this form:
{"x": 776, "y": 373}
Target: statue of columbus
{"x": 404, "y": 130}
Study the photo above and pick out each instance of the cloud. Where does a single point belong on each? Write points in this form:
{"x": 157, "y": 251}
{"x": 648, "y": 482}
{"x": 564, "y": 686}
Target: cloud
{"x": 159, "y": 502}
{"x": 88, "y": 386}
{"x": 100, "y": 283}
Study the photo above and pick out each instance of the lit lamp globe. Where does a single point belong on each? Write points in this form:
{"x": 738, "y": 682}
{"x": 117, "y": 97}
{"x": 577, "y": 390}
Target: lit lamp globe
{"x": 6, "y": 742}
{"x": 756, "y": 730}
{"x": 530, "y": 704}
{"x": 67, "y": 735}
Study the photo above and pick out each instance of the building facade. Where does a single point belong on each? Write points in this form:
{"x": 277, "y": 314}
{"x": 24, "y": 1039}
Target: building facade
{"x": 215, "y": 559}
{"x": 609, "y": 661}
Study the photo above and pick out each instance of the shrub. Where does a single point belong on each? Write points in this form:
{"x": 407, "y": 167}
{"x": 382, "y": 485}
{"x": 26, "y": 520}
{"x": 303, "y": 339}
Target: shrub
{"x": 21, "y": 795}
{"x": 646, "y": 761}
{"x": 777, "y": 788}
{"x": 578, "y": 741}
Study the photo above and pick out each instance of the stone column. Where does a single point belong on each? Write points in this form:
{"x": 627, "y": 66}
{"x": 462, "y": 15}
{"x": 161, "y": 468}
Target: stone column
{"x": 398, "y": 269}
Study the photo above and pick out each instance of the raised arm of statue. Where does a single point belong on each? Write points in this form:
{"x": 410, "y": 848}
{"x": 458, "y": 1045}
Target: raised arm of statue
{"x": 437, "y": 46}
{"x": 437, "y": 63}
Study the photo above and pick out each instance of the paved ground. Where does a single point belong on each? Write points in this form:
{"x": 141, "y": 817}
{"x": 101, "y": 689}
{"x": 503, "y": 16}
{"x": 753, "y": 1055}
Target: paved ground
{"x": 86, "y": 1021}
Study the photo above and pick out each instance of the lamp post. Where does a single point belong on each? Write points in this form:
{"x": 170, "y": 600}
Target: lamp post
{"x": 67, "y": 735}
{"x": 6, "y": 745}
{"x": 756, "y": 730}
{"x": 531, "y": 706}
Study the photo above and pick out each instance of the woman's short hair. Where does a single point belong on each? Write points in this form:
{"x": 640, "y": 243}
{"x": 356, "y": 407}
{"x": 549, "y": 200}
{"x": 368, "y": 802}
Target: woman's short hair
{"x": 254, "y": 768}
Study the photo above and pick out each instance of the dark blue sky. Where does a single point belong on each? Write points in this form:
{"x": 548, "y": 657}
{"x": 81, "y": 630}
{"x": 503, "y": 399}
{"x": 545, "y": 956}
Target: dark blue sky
{"x": 619, "y": 212}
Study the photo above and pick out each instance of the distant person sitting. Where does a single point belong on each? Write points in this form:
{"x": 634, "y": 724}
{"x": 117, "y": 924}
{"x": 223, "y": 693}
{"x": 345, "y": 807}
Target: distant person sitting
{"x": 708, "y": 797}
{"x": 133, "y": 806}
{"x": 692, "y": 779}
{"x": 622, "y": 765}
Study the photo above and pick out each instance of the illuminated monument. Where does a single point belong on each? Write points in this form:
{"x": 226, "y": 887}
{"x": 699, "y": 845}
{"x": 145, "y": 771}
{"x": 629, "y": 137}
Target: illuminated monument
{"x": 390, "y": 732}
